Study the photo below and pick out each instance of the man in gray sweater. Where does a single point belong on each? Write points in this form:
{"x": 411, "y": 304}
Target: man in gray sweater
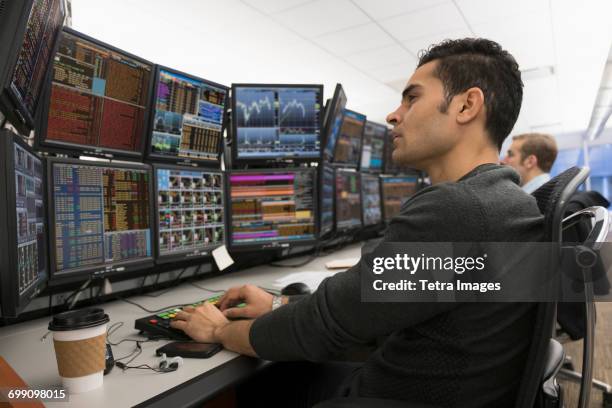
{"x": 456, "y": 110}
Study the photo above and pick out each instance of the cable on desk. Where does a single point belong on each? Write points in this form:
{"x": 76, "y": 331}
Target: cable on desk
{"x": 149, "y": 310}
{"x": 116, "y": 326}
{"x": 207, "y": 289}
{"x": 172, "y": 284}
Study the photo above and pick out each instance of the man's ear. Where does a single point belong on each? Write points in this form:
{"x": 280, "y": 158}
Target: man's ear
{"x": 471, "y": 105}
{"x": 530, "y": 161}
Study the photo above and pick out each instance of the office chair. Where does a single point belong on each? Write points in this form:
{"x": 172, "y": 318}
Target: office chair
{"x": 585, "y": 262}
{"x": 538, "y": 387}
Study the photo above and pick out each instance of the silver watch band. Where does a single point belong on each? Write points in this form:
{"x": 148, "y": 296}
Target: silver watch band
{"x": 277, "y": 301}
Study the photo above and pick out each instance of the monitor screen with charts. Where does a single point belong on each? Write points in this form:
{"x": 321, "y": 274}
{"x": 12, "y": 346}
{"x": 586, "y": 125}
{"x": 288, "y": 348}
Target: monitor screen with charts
{"x": 188, "y": 118}
{"x": 348, "y": 145}
{"x": 396, "y": 190}
{"x": 373, "y": 150}
{"x": 272, "y": 122}
{"x": 272, "y": 207}
{"x": 370, "y": 199}
{"x": 99, "y": 99}
{"x": 101, "y": 217}
{"x": 190, "y": 217}
{"x": 23, "y": 246}
{"x": 348, "y": 200}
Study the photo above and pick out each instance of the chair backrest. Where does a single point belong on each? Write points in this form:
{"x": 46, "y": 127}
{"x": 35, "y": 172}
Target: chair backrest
{"x": 552, "y": 199}
{"x": 591, "y": 240}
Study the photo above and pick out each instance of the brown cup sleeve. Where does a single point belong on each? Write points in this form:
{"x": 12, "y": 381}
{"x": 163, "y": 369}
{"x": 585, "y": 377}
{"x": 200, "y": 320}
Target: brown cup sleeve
{"x": 80, "y": 357}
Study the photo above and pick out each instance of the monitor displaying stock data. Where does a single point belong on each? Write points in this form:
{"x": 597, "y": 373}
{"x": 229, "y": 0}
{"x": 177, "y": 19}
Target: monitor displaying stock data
{"x": 272, "y": 122}
{"x": 28, "y": 34}
{"x": 370, "y": 199}
{"x": 334, "y": 114}
{"x": 99, "y": 99}
{"x": 326, "y": 194}
{"x": 101, "y": 216}
{"x": 348, "y": 200}
{"x": 348, "y": 144}
{"x": 272, "y": 207}
{"x": 373, "y": 150}
{"x": 188, "y": 120}
{"x": 395, "y": 191}
{"x": 23, "y": 246}
{"x": 190, "y": 211}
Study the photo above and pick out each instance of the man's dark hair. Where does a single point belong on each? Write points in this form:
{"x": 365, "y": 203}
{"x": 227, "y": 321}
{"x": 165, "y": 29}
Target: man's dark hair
{"x": 481, "y": 63}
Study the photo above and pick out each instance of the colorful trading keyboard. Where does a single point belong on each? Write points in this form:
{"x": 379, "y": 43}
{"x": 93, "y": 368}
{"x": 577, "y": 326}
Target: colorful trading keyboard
{"x": 158, "y": 325}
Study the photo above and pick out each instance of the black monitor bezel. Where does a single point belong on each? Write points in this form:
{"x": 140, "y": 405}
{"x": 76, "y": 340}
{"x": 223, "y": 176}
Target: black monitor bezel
{"x": 75, "y": 149}
{"x": 352, "y": 165}
{"x": 385, "y": 136}
{"x": 185, "y": 255}
{"x": 103, "y": 270}
{"x": 321, "y": 169}
{"x": 355, "y": 227}
{"x": 273, "y": 159}
{"x": 151, "y": 156}
{"x": 339, "y": 90}
{"x": 11, "y": 302}
{"x": 14, "y": 109}
{"x": 382, "y": 194}
{"x": 381, "y": 220}
{"x": 283, "y": 244}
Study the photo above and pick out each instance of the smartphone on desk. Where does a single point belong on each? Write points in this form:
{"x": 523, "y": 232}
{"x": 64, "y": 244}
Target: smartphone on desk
{"x": 189, "y": 349}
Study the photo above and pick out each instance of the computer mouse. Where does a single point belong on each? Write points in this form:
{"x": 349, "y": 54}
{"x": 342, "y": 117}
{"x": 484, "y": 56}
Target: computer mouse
{"x": 296, "y": 288}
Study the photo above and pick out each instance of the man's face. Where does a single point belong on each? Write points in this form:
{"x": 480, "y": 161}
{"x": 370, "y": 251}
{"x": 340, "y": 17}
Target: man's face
{"x": 421, "y": 132}
{"x": 514, "y": 158}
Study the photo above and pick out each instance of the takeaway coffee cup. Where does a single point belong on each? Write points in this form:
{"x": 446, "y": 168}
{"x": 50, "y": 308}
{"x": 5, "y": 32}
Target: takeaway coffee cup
{"x": 79, "y": 338}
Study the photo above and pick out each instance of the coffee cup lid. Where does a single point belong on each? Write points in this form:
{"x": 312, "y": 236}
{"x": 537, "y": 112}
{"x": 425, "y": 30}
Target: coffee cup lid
{"x": 78, "y": 319}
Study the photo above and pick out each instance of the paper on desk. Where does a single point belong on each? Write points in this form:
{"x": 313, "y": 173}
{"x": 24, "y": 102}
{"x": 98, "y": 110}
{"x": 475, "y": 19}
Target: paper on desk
{"x": 312, "y": 279}
{"x": 222, "y": 257}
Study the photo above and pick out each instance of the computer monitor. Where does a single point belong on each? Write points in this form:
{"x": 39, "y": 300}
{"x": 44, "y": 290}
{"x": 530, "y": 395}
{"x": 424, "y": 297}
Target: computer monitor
{"x": 101, "y": 213}
{"x": 334, "y": 114}
{"x": 326, "y": 194}
{"x": 28, "y": 35}
{"x": 188, "y": 118}
{"x": 98, "y": 100}
{"x": 348, "y": 200}
{"x": 348, "y": 145}
{"x": 373, "y": 150}
{"x": 271, "y": 208}
{"x": 370, "y": 200}
{"x": 23, "y": 246}
{"x": 276, "y": 122}
{"x": 189, "y": 216}
{"x": 395, "y": 191}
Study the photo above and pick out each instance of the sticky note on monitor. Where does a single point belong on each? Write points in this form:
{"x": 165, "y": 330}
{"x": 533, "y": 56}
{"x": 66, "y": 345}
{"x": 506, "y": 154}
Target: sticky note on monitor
{"x": 222, "y": 257}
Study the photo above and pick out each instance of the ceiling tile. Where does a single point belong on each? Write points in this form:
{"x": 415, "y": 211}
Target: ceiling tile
{"x": 441, "y": 18}
{"x": 541, "y": 102}
{"x": 422, "y": 43}
{"x": 391, "y": 8}
{"x": 361, "y": 38}
{"x": 482, "y": 11}
{"x": 532, "y": 45}
{"x": 393, "y": 72}
{"x": 274, "y": 6}
{"x": 321, "y": 17}
{"x": 381, "y": 57}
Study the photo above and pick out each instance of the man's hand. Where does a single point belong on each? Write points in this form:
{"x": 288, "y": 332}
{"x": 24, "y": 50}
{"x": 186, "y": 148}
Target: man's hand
{"x": 258, "y": 302}
{"x": 200, "y": 323}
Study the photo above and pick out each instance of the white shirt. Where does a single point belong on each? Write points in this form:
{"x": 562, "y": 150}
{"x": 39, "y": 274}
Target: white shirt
{"x": 536, "y": 182}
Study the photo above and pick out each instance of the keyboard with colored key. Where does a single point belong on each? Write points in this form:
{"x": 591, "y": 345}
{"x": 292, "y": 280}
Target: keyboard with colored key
{"x": 158, "y": 325}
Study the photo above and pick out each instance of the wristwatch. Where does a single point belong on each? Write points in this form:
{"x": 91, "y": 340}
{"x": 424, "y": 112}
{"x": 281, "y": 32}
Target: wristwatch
{"x": 277, "y": 301}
